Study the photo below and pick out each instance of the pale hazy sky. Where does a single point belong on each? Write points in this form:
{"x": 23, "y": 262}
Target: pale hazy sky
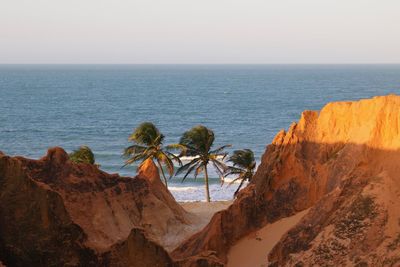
{"x": 201, "y": 31}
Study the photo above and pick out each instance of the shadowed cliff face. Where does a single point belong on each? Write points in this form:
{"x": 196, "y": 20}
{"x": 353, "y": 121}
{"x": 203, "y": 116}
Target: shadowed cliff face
{"x": 328, "y": 160}
{"x": 137, "y": 250}
{"x": 57, "y": 213}
{"x": 35, "y": 228}
{"x": 355, "y": 224}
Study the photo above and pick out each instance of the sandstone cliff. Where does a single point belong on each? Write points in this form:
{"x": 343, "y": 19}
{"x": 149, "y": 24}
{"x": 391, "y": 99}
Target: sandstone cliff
{"x": 344, "y": 163}
{"x": 57, "y": 213}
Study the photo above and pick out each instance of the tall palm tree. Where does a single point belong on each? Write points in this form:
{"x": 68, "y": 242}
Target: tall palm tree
{"x": 243, "y": 166}
{"x": 197, "y": 143}
{"x": 148, "y": 144}
{"x": 82, "y": 155}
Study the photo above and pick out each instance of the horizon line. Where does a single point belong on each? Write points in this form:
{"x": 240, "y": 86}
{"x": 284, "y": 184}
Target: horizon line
{"x": 205, "y": 64}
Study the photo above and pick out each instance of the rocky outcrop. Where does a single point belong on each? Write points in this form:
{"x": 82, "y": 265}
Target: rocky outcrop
{"x": 138, "y": 250}
{"x": 357, "y": 222}
{"x": 343, "y": 162}
{"x": 57, "y": 213}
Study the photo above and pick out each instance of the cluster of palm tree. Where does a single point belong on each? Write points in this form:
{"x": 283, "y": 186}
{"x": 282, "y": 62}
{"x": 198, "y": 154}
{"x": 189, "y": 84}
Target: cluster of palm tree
{"x": 197, "y": 143}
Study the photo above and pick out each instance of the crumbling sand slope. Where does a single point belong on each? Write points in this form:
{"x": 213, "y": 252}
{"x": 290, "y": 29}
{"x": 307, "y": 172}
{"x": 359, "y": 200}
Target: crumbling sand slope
{"x": 344, "y": 162}
{"x": 253, "y": 249}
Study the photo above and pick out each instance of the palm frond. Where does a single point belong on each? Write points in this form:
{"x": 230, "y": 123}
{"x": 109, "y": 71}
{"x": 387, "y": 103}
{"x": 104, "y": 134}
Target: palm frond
{"x": 173, "y": 147}
{"x": 190, "y": 170}
{"x": 187, "y": 166}
{"x": 219, "y": 149}
{"x": 168, "y": 162}
{"x": 135, "y": 158}
{"x": 219, "y": 169}
{"x": 146, "y": 134}
{"x": 243, "y": 158}
{"x": 199, "y": 139}
{"x": 133, "y": 149}
{"x": 233, "y": 170}
{"x": 220, "y": 163}
{"x": 199, "y": 169}
{"x": 236, "y": 179}
{"x": 173, "y": 157}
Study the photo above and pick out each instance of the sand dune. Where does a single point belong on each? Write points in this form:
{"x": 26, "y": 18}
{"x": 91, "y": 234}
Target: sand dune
{"x": 252, "y": 250}
{"x": 205, "y": 210}
{"x": 199, "y": 214}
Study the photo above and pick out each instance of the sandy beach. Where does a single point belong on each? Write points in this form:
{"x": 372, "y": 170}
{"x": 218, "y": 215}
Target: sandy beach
{"x": 203, "y": 210}
{"x": 200, "y": 214}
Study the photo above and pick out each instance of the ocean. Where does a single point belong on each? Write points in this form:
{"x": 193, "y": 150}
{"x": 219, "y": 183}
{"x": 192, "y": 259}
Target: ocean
{"x": 99, "y": 105}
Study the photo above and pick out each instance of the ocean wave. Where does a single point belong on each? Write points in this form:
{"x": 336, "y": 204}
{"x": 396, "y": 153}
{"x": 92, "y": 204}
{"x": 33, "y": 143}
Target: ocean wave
{"x": 178, "y": 188}
{"x": 189, "y": 158}
{"x": 196, "y": 192}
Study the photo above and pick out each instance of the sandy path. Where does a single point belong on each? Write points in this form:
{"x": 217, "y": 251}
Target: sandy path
{"x": 204, "y": 211}
{"x": 200, "y": 214}
{"x": 252, "y": 250}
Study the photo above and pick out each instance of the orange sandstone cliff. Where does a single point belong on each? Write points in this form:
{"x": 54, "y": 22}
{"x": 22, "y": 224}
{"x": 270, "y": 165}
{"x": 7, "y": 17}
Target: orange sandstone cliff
{"x": 57, "y": 213}
{"x": 344, "y": 163}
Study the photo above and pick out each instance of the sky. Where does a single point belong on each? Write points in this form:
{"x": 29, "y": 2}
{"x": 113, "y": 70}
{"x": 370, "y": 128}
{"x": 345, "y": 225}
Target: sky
{"x": 199, "y": 32}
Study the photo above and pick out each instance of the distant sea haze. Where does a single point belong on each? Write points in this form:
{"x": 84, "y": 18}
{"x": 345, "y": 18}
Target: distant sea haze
{"x": 99, "y": 105}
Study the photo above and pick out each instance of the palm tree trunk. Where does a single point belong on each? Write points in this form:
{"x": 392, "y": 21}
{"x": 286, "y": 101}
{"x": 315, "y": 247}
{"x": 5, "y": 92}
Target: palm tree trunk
{"x": 162, "y": 172}
{"x": 206, "y": 183}
{"x": 240, "y": 186}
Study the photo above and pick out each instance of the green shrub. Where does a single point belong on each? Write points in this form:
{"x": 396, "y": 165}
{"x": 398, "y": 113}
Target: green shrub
{"x": 82, "y": 155}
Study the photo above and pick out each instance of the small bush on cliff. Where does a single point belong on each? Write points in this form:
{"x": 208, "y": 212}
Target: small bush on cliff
{"x": 148, "y": 144}
{"x": 243, "y": 167}
{"x": 82, "y": 155}
{"x": 197, "y": 143}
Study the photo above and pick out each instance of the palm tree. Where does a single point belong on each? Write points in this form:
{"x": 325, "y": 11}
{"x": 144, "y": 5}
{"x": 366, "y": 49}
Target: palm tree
{"x": 82, "y": 155}
{"x": 197, "y": 143}
{"x": 149, "y": 145}
{"x": 243, "y": 166}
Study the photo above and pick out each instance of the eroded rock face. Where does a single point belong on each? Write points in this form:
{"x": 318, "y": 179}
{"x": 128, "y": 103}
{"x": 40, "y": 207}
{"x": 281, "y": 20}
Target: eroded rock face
{"x": 344, "y": 162}
{"x": 138, "y": 250}
{"x": 57, "y": 213}
{"x": 35, "y": 227}
{"x": 358, "y": 222}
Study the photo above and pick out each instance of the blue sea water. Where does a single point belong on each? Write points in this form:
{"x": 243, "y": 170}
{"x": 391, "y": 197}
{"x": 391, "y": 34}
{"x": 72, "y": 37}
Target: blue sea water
{"x": 99, "y": 105}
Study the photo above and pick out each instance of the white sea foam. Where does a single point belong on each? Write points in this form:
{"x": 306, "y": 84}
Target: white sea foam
{"x": 196, "y": 192}
{"x": 186, "y": 159}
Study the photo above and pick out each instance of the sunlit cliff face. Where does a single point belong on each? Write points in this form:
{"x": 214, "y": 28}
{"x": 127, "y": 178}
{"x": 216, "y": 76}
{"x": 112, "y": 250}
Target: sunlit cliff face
{"x": 343, "y": 157}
